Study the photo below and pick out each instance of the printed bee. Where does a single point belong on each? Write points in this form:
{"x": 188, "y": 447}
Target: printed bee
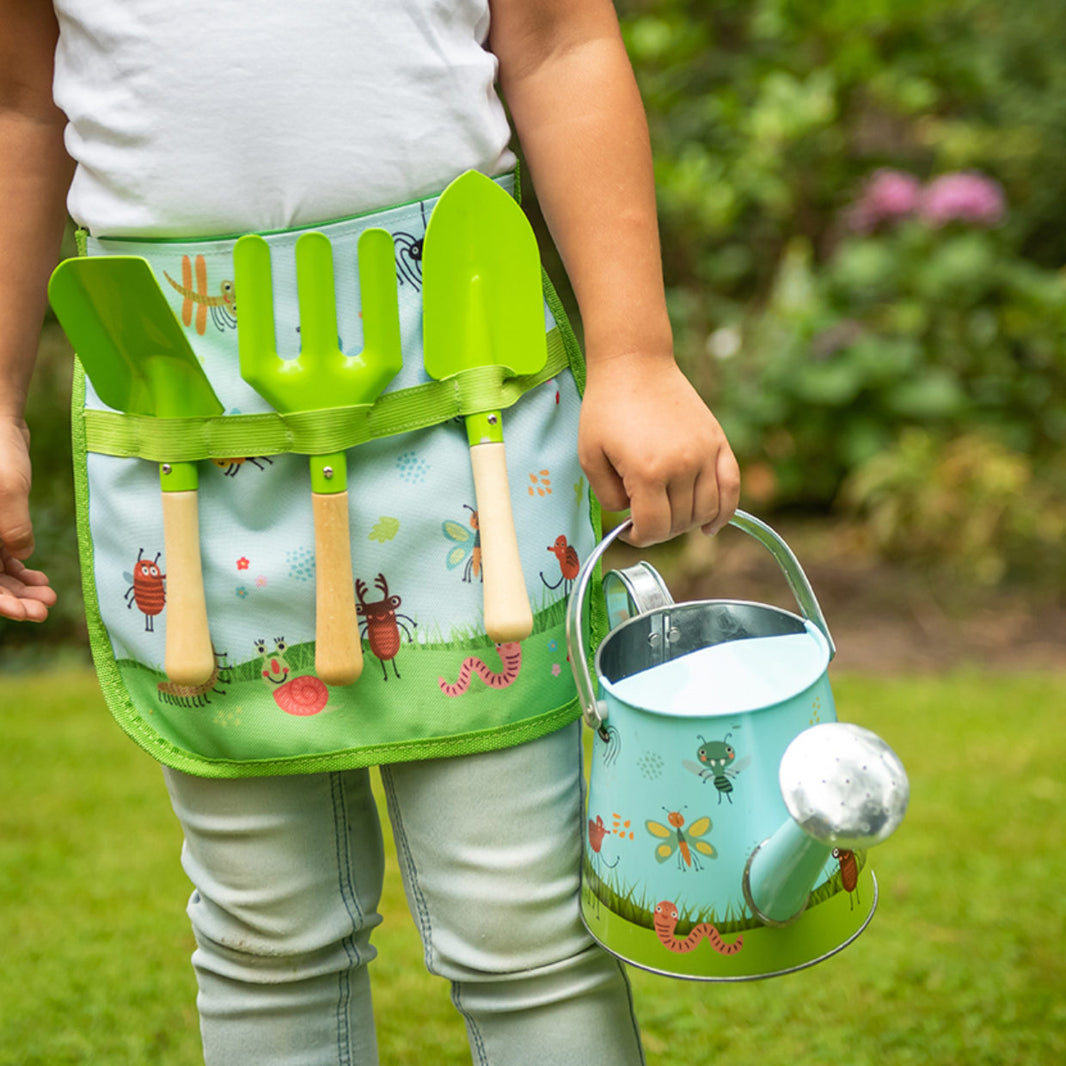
{"x": 231, "y": 467}
{"x": 147, "y": 589}
{"x": 717, "y": 763}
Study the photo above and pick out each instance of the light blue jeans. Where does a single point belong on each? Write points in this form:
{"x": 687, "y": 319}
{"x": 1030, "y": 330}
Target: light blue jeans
{"x": 288, "y": 875}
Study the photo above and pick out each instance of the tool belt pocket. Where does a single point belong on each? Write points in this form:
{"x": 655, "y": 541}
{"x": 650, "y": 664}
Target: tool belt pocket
{"x": 433, "y": 682}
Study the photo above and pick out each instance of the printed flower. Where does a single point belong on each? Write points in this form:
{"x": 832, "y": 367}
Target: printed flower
{"x": 243, "y": 563}
{"x": 556, "y": 669}
{"x": 261, "y": 582}
{"x": 888, "y": 196}
{"x": 242, "y": 592}
{"x": 962, "y": 197}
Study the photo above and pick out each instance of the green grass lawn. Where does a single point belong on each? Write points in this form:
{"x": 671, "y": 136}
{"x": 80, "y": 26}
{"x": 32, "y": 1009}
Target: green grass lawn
{"x": 965, "y": 961}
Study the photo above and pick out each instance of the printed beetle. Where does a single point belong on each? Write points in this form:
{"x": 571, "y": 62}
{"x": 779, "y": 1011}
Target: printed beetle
{"x": 381, "y": 624}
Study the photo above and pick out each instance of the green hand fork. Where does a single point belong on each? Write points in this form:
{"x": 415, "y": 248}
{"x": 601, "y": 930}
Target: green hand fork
{"x": 319, "y": 378}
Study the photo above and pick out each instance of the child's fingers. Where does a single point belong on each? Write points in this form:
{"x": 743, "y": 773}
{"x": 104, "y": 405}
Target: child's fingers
{"x": 605, "y": 483}
{"x": 727, "y": 481}
{"x": 652, "y": 513}
{"x": 707, "y": 501}
{"x": 29, "y": 605}
{"x": 33, "y": 578}
{"x": 25, "y": 595}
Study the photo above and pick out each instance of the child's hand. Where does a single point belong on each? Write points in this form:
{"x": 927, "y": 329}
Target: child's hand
{"x": 25, "y": 595}
{"x": 648, "y": 442}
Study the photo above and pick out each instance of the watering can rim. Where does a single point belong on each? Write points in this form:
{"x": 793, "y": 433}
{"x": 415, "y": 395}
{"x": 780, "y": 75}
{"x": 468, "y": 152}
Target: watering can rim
{"x": 594, "y": 709}
{"x": 811, "y": 629}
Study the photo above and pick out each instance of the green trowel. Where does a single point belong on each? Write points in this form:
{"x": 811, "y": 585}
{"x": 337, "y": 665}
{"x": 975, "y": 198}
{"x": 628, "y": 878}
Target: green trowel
{"x": 321, "y": 377}
{"x": 139, "y": 361}
{"x": 483, "y": 305}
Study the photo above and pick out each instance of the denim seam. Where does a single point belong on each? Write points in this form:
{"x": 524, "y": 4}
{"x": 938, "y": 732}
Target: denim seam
{"x": 477, "y": 1041}
{"x": 351, "y": 905}
{"x": 403, "y": 851}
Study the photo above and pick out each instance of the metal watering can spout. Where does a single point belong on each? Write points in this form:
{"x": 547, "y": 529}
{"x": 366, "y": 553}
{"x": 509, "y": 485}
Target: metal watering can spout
{"x": 845, "y": 789}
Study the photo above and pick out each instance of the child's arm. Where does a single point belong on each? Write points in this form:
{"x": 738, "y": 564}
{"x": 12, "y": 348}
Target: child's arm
{"x": 647, "y": 441}
{"x": 34, "y": 175}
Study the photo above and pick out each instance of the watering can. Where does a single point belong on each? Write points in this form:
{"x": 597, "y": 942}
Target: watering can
{"x": 729, "y": 812}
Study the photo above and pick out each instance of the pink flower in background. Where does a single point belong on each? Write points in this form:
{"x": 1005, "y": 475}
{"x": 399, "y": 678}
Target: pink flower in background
{"x": 888, "y": 196}
{"x": 962, "y": 197}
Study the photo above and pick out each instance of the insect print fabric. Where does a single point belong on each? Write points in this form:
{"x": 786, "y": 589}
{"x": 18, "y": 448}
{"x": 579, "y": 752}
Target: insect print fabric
{"x": 433, "y": 683}
{"x": 147, "y": 589}
{"x": 465, "y": 550}
{"x": 198, "y": 300}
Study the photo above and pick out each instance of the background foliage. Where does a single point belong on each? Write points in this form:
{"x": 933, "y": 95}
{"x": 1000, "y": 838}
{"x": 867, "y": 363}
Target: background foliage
{"x": 824, "y": 348}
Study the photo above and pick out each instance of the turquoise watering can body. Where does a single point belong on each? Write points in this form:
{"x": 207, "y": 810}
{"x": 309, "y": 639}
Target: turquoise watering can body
{"x": 695, "y": 706}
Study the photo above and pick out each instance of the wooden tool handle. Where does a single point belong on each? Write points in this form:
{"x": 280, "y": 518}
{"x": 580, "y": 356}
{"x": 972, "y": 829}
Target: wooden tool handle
{"x": 508, "y": 616}
{"x": 190, "y": 658}
{"x": 338, "y": 650}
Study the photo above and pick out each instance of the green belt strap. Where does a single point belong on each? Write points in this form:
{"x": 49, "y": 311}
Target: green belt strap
{"x": 320, "y": 432}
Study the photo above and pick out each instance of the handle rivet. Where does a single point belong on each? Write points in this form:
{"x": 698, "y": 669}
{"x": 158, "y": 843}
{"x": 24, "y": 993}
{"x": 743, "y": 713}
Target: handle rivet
{"x": 166, "y": 468}
{"x": 327, "y": 472}
{"x": 492, "y": 419}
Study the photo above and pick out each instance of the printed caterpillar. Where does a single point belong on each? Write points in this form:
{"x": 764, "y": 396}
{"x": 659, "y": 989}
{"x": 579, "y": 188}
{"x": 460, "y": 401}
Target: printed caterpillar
{"x": 511, "y": 658}
{"x": 666, "y": 916}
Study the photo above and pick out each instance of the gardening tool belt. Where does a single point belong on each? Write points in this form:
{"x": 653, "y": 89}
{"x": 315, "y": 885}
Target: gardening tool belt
{"x": 433, "y": 683}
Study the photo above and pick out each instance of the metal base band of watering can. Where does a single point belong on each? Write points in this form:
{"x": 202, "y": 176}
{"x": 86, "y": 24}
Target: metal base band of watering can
{"x": 729, "y": 812}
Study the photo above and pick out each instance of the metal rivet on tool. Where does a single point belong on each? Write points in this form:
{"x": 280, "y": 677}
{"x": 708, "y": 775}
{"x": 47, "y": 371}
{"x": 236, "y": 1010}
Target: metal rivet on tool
{"x": 327, "y": 472}
{"x": 493, "y": 419}
{"x": 166, "y": 468}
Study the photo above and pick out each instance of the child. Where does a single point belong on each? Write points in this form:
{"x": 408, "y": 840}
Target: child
{"x": 192, "y": 122}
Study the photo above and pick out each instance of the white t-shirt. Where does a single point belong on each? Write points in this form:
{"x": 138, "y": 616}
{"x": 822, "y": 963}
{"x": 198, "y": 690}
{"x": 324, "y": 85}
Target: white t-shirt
{"x": 209, "y": 117}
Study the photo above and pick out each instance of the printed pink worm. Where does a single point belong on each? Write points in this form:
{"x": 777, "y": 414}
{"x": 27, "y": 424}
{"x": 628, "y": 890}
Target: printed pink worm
{"x": 666, "y": 916}
{"x": 511, "y": 658}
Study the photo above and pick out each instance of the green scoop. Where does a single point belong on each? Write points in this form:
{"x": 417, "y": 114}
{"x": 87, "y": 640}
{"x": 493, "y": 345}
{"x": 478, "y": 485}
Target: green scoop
{"x": 139, "y": 361}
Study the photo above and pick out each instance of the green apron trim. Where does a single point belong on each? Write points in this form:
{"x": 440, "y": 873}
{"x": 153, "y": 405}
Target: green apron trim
{"x": 316, "y": 432}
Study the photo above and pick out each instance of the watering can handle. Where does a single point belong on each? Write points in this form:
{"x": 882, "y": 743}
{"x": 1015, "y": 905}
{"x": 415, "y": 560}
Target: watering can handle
{"x": 595, "y": 709}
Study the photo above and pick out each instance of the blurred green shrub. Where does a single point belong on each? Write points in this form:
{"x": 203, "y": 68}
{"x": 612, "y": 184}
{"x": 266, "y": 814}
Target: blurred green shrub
{"x": 916, "y": 326}
{"x": 969, "y": 503}
{"x": 824, "y": 340}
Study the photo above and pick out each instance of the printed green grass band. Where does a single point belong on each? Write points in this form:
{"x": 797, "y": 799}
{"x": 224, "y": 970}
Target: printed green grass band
{"x": 317, "y": 432}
